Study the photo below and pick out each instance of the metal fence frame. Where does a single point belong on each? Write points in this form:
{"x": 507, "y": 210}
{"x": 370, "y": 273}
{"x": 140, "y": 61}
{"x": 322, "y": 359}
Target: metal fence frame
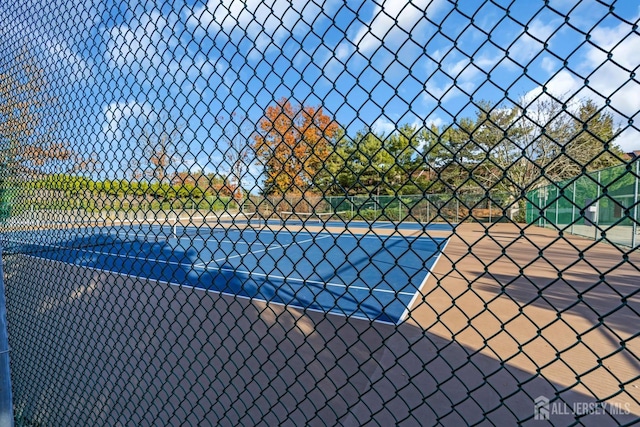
{"x": 598, "y": 220}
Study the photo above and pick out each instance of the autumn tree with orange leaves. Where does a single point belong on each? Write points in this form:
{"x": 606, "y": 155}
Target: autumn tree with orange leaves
{"x": 30, "y": 122}
{"x": 291, "y": 143}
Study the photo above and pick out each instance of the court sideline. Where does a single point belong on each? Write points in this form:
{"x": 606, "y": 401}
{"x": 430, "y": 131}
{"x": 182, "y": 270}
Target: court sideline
{"x": 526, "y": 300}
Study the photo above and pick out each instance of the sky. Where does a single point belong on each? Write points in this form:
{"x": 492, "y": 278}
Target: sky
{"x": 117, "y": 66}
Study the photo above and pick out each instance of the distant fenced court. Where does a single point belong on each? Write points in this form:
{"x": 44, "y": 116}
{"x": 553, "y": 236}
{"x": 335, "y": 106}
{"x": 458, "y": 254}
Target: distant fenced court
{"x": 222, "y": 213}
{"x": 416, "y": 208}
{"x": 601, "y": 205}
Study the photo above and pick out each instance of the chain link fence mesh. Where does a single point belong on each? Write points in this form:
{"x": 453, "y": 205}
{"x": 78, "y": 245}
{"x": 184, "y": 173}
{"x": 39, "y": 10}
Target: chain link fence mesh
{"x": 580, "y": 206}
{"x": 321, "y": 213}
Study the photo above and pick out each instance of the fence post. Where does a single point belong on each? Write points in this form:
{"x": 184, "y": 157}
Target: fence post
{"x": 542, "y": 202}
{"x": 634, "y": 227}
{"x": 573, "y": 207}
{"x": 375, "y": 207}
{"x": 428, "y": 202}
{"x": 6, "y": 403}
{"x": 597, "y": 202}
{"x": 557, "y": 205}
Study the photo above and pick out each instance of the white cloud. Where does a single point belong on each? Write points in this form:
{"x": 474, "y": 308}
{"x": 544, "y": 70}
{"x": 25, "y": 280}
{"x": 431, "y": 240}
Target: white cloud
{"x": 467, "y": 73}
{"x": 342, "y": 51}
{"x": 117, "y": 116}
{"x": 435, "y": 92}
{"x": 143, "y": 42}
{"x": 611, "y": 77}
{"x": 149, "y": 47}
{"x": 51, "y": 49}
{"x": 226, "y": 72}
{"x": 187, "y": 73}
{"x": 65, "y": 58}
{"x": 384, "y": 126}
{"x": 629, "y": 140}
{"x": 608, "y": 69}
{"x": 393, "y": 21}
{"x": 123, "y": 122}
{"x": 531, "y": 42}
{"x": 561, "y": 86}
{"x": 549, "y": 65}
{"x": 433, "y": 121}
{"x": 263, "y": 22}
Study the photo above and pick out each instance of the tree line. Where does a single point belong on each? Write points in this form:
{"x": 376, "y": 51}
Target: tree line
{"x": 184, "y": 185}
{"x": 508, "y": 149}
{"x": 302, "y": 149}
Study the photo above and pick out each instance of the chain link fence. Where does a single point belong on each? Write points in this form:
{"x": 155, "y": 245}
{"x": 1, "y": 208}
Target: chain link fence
{"x": 320, "y": 213}
{"x": 600, "y": 205}
{"x": 420, "y": 208}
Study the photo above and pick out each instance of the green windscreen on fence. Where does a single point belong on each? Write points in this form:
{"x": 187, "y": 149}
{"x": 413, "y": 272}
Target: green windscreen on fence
{"x": 603, "y": 201}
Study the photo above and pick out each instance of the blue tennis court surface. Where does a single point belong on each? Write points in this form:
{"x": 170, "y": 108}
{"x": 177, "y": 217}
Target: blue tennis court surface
{"x": 368, "y": 276}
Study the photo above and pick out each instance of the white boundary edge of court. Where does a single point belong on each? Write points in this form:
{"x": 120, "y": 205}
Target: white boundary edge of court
{"x": 196, "y": 288}
{"x": 199, "y": 266}
{"x": 422, "y": 285}
{"x": 206, "y": 267}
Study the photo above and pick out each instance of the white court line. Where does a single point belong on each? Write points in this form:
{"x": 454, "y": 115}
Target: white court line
{"x": 382, "y": 225}
{"x": 147, "y": 236}
{"x": 118, "y": 255}
{"x": 276, "y": 247}
{"x": 244, "y": 242}
{"x": 424, "y": 282}
{"x": 294, "y": 279}
{"x": 408, "y": 239}
{"x": 206, "y": 268}
{"x": 334, "y": 312}
{"x": 150, "y": 236}
{"x": 324, "y": 234}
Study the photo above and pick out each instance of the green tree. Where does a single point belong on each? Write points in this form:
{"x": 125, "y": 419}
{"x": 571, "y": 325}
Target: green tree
{"x": 450, "y": 155}
{"x": 360, "y": 164}
{"x": 523, "y": 146}
{"x": 588, "y": 143}
{"x": 404, "y": 147}
{"x": 370, "y": 163}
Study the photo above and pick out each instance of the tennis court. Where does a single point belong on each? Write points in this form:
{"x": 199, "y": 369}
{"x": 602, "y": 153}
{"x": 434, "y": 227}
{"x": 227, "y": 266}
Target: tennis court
{"x": 365, "y": 270}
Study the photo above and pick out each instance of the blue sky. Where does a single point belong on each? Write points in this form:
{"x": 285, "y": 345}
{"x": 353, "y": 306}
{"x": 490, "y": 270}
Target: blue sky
{"x": 385, "y": 63}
